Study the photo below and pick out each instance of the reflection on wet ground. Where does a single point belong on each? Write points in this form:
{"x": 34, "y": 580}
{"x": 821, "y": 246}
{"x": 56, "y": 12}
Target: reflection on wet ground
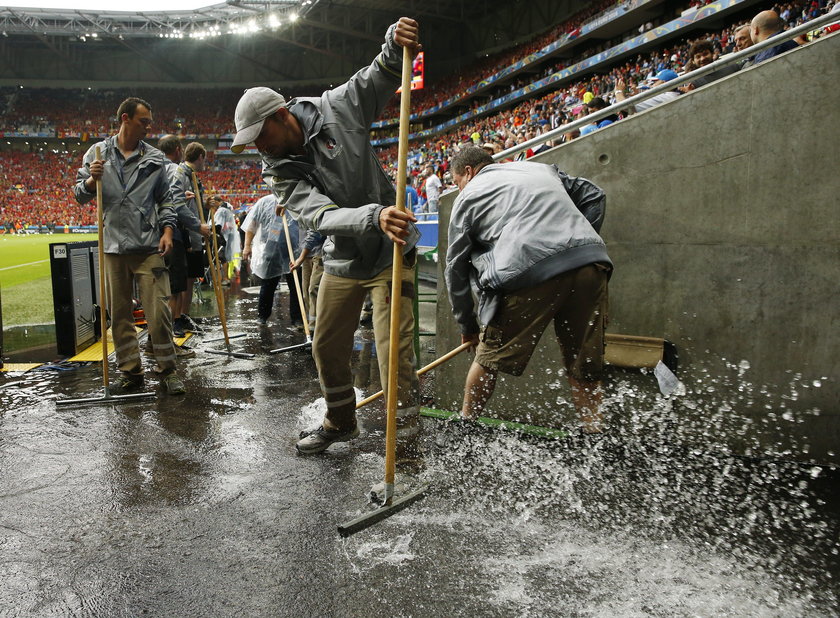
{"x": 199, "y": 506}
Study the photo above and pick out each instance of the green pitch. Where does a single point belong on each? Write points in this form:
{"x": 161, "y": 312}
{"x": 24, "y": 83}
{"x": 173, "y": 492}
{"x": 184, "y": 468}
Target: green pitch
{"x": 25, "y": 276}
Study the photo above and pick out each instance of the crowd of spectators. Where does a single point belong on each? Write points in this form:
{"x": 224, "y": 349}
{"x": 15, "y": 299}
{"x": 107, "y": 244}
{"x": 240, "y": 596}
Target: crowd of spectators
{"x": 91, "y": 113}
{"x": 455, "y": 85}
{"x": 237, "y": 181}
{"x": 87, "y": 113}
{"x": 36, "y": 189}
{"x": 542, "y": 113}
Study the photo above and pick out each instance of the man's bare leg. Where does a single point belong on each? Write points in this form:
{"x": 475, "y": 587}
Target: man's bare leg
{"x": 183, "y": 303}
{"x": 188, "y": 295}
{"x": 481, "y": 381}
{"x": 586, "y": 396}
{"x": 174, "y": 304}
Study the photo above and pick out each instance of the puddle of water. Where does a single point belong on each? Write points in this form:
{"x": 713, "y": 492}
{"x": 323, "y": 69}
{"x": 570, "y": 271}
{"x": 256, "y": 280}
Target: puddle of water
{"x": 32, "y": 343}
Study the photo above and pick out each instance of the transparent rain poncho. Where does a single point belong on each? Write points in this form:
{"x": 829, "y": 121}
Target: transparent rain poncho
{"x": 225, "y": 218}
{"x": 269, "y": 253}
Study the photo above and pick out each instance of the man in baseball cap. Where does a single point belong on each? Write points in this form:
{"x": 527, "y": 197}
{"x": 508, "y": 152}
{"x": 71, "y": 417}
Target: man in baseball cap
{"x": 253, "y": 108}
{"x": 318, "y": 161}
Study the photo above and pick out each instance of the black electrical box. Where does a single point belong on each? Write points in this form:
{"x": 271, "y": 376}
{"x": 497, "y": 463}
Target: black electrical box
{"x": 75, "y": 283}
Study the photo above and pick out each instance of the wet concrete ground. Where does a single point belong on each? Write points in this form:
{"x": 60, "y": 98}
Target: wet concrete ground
{"x": 199, "y": 506}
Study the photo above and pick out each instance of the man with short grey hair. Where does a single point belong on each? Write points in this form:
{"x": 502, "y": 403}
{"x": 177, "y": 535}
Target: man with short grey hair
{"x": 742, "y": 37}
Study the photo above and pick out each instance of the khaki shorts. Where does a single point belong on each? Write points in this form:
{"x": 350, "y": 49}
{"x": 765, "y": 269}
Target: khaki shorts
{"x": 176, "y": 262}
{"x": 576, "y": 300}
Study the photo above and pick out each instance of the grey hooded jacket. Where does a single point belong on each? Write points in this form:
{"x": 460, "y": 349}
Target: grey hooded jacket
{"x": 135, "y": 209}
{"x": 338, "y": 188}
{"x": 516, "y": 225}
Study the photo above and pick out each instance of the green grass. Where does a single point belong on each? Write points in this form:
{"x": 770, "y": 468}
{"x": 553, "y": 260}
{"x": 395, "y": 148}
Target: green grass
{"x": 25, "y": 276}
{"x": 28, "y": 303}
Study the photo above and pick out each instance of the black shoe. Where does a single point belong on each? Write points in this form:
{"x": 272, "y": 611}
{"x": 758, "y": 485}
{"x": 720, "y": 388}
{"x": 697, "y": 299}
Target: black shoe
{"x": 189, "y": 324}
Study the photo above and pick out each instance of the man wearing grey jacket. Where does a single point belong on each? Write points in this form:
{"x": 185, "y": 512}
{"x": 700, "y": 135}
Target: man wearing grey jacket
{"x": 138, "y": 221}
{"x": 195, "y": 232}
{"x": 318, "y": 160}
{"x": 523, "y": 237}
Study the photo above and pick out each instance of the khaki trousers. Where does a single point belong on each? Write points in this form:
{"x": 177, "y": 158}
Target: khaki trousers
{"x": 312, "y": 285}
{"x": 340, "y": 302}
{"x": 305, "y": 275}
{"x": 153, "y": 284}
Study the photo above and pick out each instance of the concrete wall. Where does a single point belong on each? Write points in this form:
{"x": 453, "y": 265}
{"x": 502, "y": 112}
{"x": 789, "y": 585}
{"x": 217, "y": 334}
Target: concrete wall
{"x": 722, "y": 221}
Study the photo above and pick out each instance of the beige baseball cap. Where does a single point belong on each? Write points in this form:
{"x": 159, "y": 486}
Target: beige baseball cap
{"x": 253, "y": 108}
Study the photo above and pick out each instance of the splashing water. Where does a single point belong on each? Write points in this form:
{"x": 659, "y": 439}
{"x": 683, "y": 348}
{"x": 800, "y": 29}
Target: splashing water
{"x": 657, "y": 516}
{"x": 311, "y": 414}
{"x": 382, "y": 549}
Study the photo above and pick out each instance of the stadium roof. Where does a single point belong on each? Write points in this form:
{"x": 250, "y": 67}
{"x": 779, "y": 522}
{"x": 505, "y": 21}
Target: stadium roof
{"x": 241, "y": 42}
{"x": 196, "y": 18}
{"x": 199, "y": 18}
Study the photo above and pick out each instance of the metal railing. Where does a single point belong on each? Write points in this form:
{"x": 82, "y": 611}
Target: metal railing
{"x": 809, "y": 26}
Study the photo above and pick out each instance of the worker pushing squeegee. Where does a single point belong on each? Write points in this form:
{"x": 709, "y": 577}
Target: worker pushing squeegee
{"x": 103, "y": 322}
{"x": 318, "y": 160}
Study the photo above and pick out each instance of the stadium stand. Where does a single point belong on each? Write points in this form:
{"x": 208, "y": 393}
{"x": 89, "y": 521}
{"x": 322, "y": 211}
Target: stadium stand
{"x": 35, "y": 183}
{"x": 538, "y": 114}
{"x": 36, "y": 188}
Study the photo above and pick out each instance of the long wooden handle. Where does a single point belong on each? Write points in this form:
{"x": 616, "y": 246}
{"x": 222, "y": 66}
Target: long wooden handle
{"x": 103, "y": 326}
{"x": 303, "y": 312}
{"x": 396, "y": 285}
{"x": 216, "y": 260}
{"x": 420, "y": 372}
{"x": 216, "y": 264}
{"x": 214, "y": 276}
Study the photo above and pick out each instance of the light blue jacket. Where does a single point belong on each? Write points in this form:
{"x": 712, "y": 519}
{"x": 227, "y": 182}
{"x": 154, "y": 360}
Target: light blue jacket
{"x": 135, "y": 209}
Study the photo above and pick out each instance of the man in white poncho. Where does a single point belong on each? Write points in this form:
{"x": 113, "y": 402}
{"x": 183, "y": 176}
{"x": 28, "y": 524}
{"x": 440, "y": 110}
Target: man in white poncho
{"x": 266, "y": 248}
{"x": 224, "y": 218}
